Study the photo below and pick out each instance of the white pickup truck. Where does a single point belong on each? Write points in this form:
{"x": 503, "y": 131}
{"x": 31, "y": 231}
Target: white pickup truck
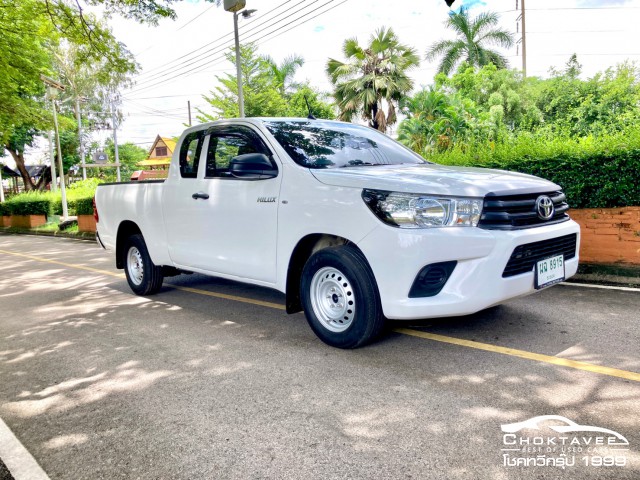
{"x": 352, "y": 226}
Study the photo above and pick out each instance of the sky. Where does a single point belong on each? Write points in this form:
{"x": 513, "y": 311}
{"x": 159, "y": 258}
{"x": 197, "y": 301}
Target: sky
{"x": 180, "y": 59}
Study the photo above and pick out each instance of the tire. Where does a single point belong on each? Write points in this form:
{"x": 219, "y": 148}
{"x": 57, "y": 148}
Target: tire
{"x": 143, "y": 276}
{"x": 340, "y": 297}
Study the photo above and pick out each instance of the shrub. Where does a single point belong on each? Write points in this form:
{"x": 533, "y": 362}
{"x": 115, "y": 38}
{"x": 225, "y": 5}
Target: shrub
{"x": 75, "y": 192}
{"x": 594, "y": 172}
{"x": 84, "y": 206}
{"x": 32, "y": 203}
{"x": 4, "y": 209}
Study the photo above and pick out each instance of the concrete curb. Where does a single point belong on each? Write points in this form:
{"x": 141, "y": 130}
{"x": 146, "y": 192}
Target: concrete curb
{"x": 75, "y": 236}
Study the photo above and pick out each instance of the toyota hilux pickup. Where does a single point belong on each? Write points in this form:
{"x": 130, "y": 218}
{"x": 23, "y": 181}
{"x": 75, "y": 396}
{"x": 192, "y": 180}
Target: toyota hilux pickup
{"x": 351, "y": 226}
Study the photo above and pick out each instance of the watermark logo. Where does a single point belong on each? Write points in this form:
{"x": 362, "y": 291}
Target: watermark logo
{"x": 556, "y": 441}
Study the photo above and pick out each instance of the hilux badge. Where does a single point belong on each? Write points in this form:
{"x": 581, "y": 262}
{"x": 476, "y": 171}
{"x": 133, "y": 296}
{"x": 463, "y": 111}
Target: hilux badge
{"x": 266, "y": 199}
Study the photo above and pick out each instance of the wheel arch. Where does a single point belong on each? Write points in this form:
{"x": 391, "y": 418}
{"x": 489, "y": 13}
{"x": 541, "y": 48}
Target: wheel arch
{"x": 303, "y": 250}
{"x": 125, "y": 230}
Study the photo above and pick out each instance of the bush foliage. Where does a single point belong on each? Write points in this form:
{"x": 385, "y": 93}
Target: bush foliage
{"x": 581, "y": 134}
{"x": 32, "y": 203}
{"x": 79, "y": 201}
{"x": 595, "y": 172}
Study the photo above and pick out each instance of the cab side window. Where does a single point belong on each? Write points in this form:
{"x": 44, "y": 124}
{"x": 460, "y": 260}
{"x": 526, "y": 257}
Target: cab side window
{"x": 190, "y": 154}
{"x": 227, "y": 144}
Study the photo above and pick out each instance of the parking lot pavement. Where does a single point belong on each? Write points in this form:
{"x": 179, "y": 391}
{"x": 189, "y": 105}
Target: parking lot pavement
{"x": 211, "y": 379}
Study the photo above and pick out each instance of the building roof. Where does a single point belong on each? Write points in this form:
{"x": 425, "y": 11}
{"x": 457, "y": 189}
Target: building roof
{"x": 7, "y": 172}
{"x": 35, "y": 170}
{"x": 170, "y": 143}
{"x": 155, "y": 162}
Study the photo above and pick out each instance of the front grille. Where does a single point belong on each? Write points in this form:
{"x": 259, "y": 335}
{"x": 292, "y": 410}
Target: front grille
{"x": 524, "y": 257}
{"x": 513, "y": 212}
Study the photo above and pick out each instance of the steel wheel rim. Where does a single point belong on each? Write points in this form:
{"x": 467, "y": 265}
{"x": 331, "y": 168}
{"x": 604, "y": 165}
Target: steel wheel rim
{"x": 135, "y": 267}
{"x": 332, "y": 299}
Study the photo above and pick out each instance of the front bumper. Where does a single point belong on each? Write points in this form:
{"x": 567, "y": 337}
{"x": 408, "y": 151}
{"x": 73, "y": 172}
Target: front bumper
{"x": 396, "y": 256}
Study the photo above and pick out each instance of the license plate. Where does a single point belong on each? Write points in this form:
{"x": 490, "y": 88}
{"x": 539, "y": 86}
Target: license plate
{"x": 549, "y": 271}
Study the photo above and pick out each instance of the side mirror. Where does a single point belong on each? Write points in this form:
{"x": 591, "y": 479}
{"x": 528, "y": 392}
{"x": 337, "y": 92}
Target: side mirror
{"x": 252, "y": 166}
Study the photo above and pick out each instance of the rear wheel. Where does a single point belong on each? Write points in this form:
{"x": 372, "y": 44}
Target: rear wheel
{"x": 143, "y": 276}
{"x": 340, "y": 297}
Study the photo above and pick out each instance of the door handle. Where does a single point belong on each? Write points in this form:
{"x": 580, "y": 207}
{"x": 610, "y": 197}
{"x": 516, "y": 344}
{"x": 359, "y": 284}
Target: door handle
{"x": 201, "y": 195}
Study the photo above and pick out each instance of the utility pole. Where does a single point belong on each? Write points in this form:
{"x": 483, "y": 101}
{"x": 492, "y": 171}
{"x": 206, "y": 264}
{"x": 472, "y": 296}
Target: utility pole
{"x": 115, "y": 136}
{"x": 52, "y": 156}
{"x": 522, "y": 18}
{"x": 81, "y": 146}
{"x": 189, "y": 108}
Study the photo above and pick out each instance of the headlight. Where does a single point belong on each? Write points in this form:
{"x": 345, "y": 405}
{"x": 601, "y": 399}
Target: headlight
{"x": 409, "y": 210}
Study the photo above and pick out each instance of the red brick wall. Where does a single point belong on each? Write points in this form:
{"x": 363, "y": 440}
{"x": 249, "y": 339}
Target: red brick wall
{"x": 609, "y": 235}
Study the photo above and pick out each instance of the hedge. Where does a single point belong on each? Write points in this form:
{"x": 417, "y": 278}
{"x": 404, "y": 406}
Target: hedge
{"x": 4, "y": 209}
{"x": 594, "y": 172}
{"x": 32, "y": 203}
{"x": 597, "y": 182}
{"x": 84, "y": 206}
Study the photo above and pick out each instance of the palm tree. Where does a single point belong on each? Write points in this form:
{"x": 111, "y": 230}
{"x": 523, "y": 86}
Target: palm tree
{"x": 373, "y": 76}
{"x": 284, "y": 73}
{"x": 474, "y": 34}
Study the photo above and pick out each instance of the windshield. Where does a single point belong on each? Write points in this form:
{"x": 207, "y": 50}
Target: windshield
{"x": 318, "y": 144}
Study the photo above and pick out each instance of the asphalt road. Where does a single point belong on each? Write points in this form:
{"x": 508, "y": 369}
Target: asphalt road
{"x": 100, "y": 384}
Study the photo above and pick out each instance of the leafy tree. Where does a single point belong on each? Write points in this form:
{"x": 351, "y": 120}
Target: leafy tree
{"x": 129, "y": 155}
{"x": 78, "y": 49}
{"x": 475, "y": 35}
{"x": 143, "y": 11}
{"x": 283, "y": 74}
{"x": 373, "y": 76}
{"x": 605, "y": 103}
{"x": 510, "y": 95}
{"x": 262, "y": 91}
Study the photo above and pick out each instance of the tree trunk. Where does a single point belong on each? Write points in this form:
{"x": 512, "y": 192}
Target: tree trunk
{"x": 18, "y": 157}
{"x": 374, "y": 116}
{"x": 45, "y": 178}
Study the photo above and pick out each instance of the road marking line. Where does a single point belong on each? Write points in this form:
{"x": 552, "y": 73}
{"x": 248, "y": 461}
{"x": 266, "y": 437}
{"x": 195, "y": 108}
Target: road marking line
{"x": 17, "y": 459}
{"x": 230, "y": 297}
{"x": 56, "y": 262}
{"x": 176, "y": 287}
{"x": 538, "y": 357}
{"x": 604, "y": 287}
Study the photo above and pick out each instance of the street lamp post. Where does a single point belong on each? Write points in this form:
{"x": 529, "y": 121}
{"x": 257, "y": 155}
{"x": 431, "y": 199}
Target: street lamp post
{"x": 235, "y": 6}
{"x": 238, "y": 69}
{"x": 80, "y": 145}
{"x": 53, "y": 88}
{"x": 63, "y": 190}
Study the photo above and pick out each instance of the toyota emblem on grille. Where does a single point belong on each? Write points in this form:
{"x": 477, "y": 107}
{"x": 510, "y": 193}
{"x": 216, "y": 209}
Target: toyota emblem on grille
{"x": 544, "y": 207}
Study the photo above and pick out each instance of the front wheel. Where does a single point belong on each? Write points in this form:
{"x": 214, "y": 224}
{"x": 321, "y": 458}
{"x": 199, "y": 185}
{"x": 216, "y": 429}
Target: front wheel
{"x": 340, "y": 297}
{"x": 143, "y": 276}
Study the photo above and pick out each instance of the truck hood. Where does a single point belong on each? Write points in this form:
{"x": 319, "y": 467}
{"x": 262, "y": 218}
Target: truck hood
{"x": 435, "y": 180}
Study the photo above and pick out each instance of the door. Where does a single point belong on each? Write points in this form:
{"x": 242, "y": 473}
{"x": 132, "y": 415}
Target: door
{"x": 233, "y": 221}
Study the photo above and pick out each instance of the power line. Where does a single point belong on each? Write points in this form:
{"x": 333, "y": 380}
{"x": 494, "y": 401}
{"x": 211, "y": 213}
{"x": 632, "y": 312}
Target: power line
{"x": 165, "y": 67}
{"x": 178, "y": 29}
{"x": 222, "y": 57}
{"x": 215, "y": 50}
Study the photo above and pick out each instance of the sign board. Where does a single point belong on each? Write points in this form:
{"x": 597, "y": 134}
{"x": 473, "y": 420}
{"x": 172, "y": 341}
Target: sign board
{"x": 100, "y": 157}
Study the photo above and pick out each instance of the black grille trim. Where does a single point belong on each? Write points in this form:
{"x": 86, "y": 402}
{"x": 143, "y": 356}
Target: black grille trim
{"x": 514, "y": 212}
{"x": 524, "y": 257}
